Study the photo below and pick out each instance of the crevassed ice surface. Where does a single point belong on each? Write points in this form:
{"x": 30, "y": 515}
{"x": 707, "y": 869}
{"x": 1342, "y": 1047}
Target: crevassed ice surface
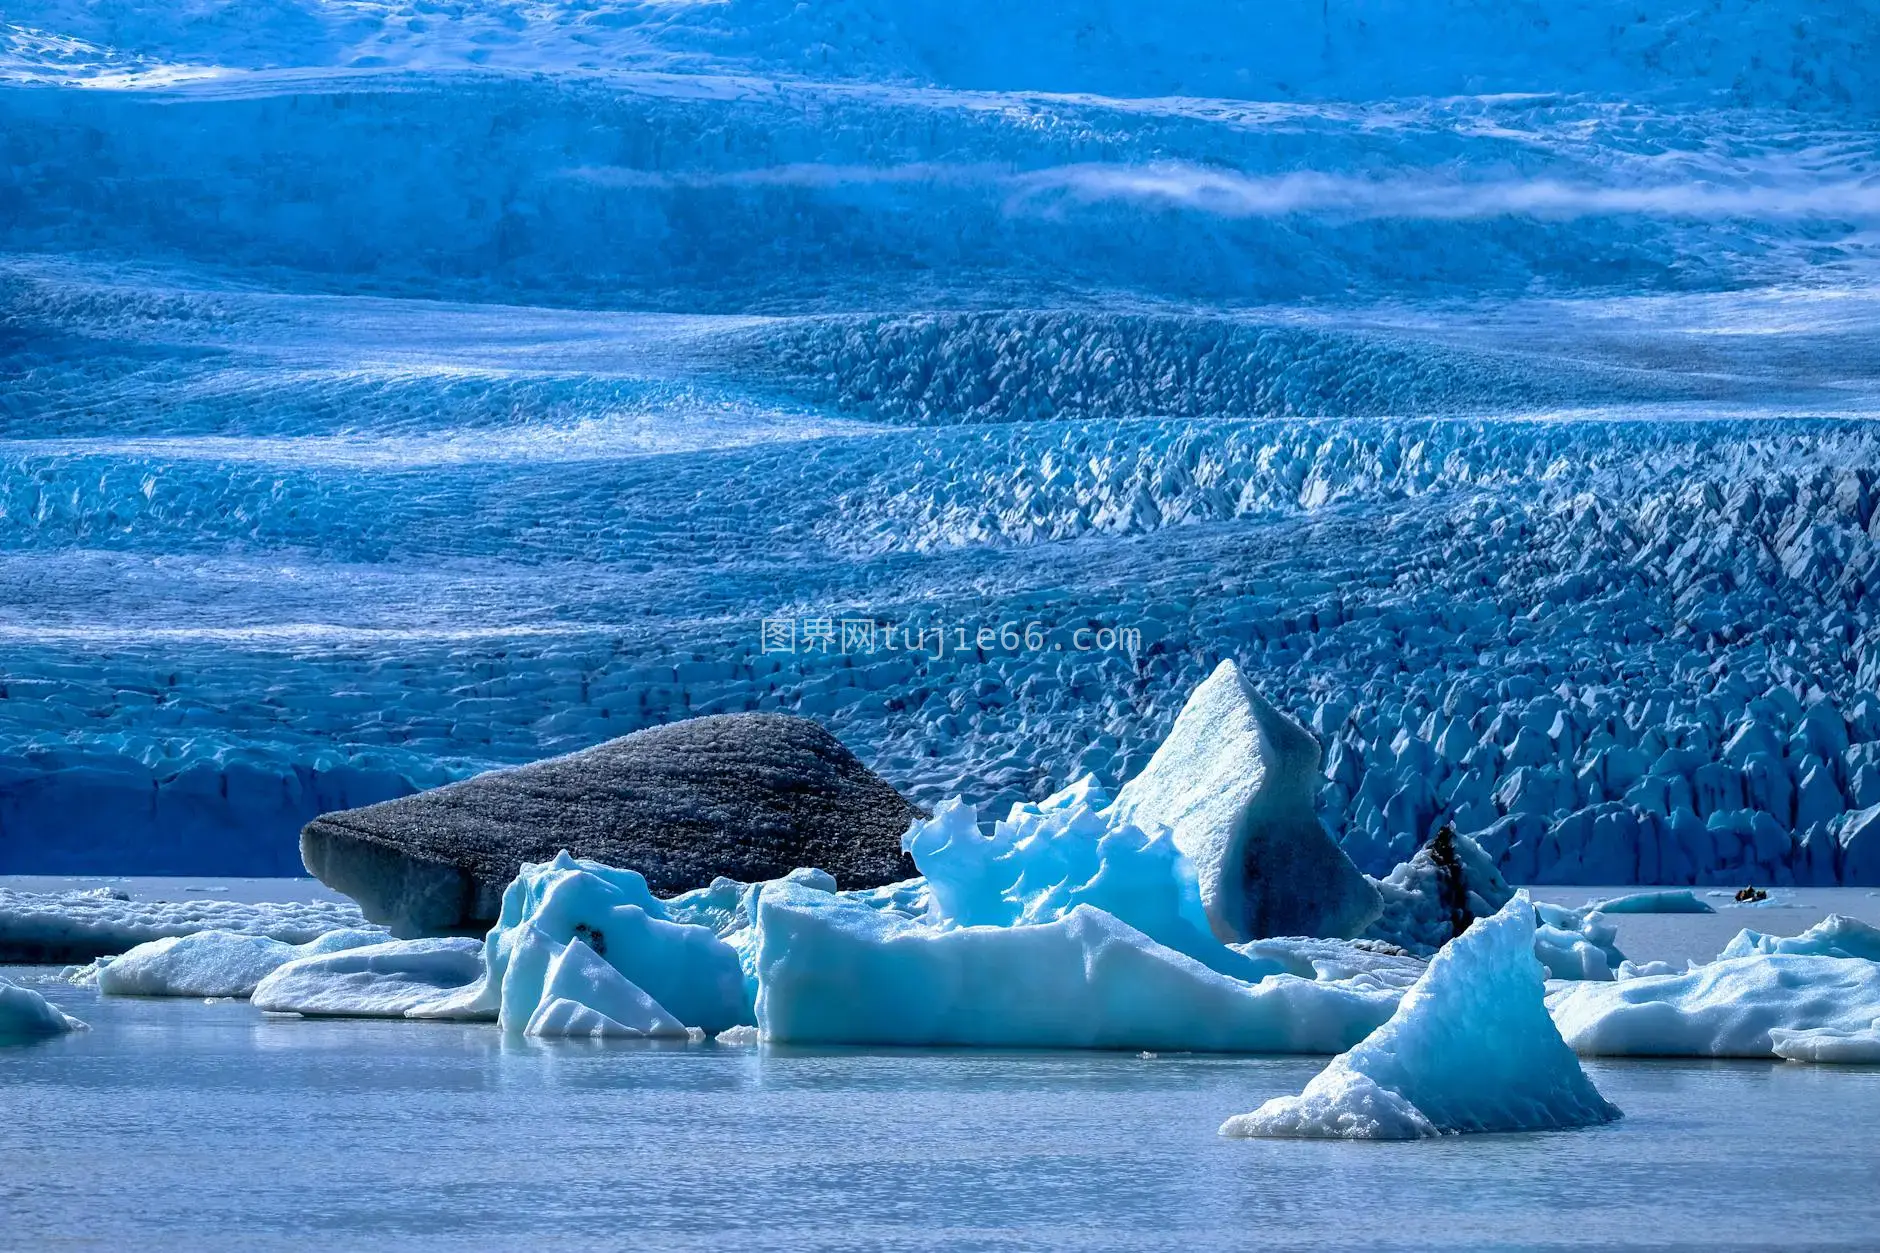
{"x": 389, "y": 393}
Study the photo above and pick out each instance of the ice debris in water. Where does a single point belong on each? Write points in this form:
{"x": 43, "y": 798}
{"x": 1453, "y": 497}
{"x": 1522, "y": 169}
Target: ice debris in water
{"x": 44, "y": 928}
{"x": 669, "y": 972}
{"x": 1667, "y": 901}
{"x": 1471, "y": 1048}
{"x": 26, "y": 1015}
{"x": 214, "y": 963}
{"x": 1837, "y": 935}
{"x": 393, "y": 979}
{"x": 1732, "y": 1007}
{"x": 741, "y": 1036}
{"x": 1575, "y": 944}
{"x": 1828, "y": 1045}
{"x": 1236, "y": 781}
{"x": 832, "y": 969}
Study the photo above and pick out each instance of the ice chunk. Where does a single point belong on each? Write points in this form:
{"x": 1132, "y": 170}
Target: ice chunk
{"x": 1828, "y": 1045}
{"x": 742, "y": 1036}
{"x": 1236, "y": 781}
{"x": 584, "y": 996}
{"x": 1573, "y": 944}
{"x": 1837, "y": 935}
{"x": 695, "y": 976}
{"x": 832, "y": 970}
{"x": 1045, "y": 859}
{"x": 1471, "y": 1048}
{"x": 747, "y": 795}
{"x": 214, "y": 963}
{"x": 388, "y": 980}
{"x": 26, "y": 1015}
{"x": 1668, "y": 901}
{"x": 1432, "y": 898}
{"x": 1729, "y": 1008}
{"x": 52, "y": 928}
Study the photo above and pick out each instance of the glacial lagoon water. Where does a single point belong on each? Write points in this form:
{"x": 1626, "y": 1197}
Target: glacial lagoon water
{"x": 214, "y": 1126}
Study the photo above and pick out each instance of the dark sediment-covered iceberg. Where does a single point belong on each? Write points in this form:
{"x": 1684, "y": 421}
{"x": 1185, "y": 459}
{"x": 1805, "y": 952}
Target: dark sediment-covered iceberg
{"x": 748, "y": 796}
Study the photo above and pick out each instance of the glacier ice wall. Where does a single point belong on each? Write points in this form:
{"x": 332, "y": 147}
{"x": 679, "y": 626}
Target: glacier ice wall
{"x": 387, "y": 395}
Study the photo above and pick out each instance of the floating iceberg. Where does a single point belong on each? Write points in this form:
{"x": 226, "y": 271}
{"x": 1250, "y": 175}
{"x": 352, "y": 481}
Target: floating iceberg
{"x": 1432, "y": 898}
{"x": 749, "y": 794}
{"x": 687, "y": 973}
{"x": 837, "y": 971}
{"x": 52, "y": 928}
{"x": 214, "y": 963}
{"x": 1235, "y": 781}
{"x": 1575, "y": 944}
{"x": 1730, "y": 1008}
{"x": 1471, "y": 1048}
{"x": 1669, "y": 901}
{"x": 394, "y": 979}
{"x": 1837, "y": 935}
{"x": 26, "y": 1015}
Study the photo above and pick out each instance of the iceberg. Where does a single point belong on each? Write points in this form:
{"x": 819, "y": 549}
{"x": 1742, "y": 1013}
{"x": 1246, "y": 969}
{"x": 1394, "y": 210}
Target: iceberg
{"x": 394, "y": 979}
{"x": 214, "y": 963}
{"x": 1667, "y": 901}
{"x": 1732, "y": 1007}
{"x": 53, "y": 928}
{"x": 584, "y": 996}
{"x": 26, "y": 1015}
{"x": 1837, "y": 935}
{"x": 686, "y": 971}
{"x": 747, "y": 795}
{"x": 1045, "y": 859}
{"x": 1433, "y": 897}
{"x": 1471, "y": 1048}
{"x": 1236, "y": 781}
{"x": 1575, "y": 944}
{"x": 832, "y": 970}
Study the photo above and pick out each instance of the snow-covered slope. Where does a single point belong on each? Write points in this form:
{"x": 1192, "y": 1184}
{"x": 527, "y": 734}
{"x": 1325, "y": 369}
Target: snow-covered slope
{"x": 390, "y": 392}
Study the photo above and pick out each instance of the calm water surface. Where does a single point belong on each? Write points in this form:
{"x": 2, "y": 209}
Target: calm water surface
{"x": 187, "y": 1125}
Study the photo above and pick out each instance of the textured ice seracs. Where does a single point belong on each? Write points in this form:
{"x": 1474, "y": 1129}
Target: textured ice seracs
{"x": 1433, "y": 897}
{"x": 1471, "y": 1048}
{"x": 214, "y": 963}
{"x": 1235, "y": 781}
{"x": 394, "y": 979}
{"x": 26, "y": 1015}
{"x": 58, "y": 927}
{"x": 1837, "y": 935}
{"x": 748, "y": 796}
{"x": 685, "y": 972}
{"x": 1043, "y": 860}
{"x": 834, "y": 970}
{"x": 1731, "y": 1007}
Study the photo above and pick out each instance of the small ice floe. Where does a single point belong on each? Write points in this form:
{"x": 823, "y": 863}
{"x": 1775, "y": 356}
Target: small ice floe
{"x": 1668, "y": 901}
{"x": 1470, "y": 1049}
{"x": 26, "y": 1015}
{"x": 741, "y": 1036}
{"x": 213, "y": 964}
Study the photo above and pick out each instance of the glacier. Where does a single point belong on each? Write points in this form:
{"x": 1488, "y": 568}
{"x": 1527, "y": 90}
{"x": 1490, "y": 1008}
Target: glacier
{"x": 1491, "y": 386}
{"x": 1471, "y": 1048}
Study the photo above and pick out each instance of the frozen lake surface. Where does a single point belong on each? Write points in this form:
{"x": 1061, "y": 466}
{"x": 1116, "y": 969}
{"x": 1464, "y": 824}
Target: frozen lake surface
{"x": 216, "y": 1127}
